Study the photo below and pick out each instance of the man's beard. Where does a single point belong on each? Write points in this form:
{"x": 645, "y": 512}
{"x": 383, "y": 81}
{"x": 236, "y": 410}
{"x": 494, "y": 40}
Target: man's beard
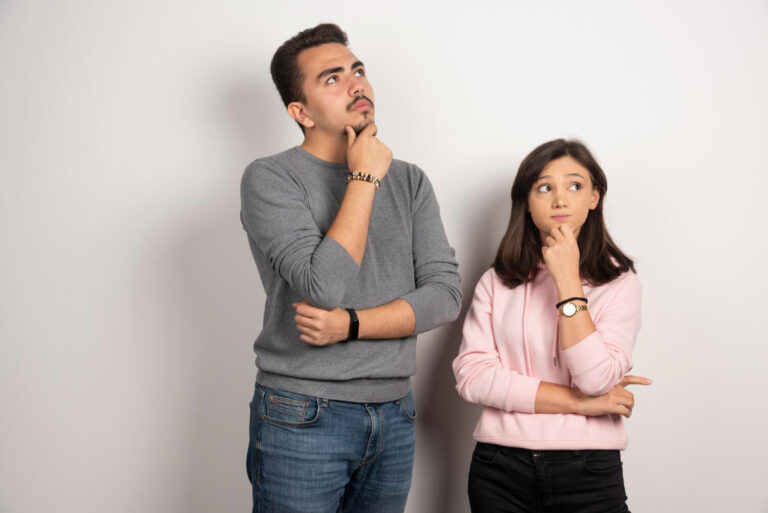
{"x": 359, "y": 127}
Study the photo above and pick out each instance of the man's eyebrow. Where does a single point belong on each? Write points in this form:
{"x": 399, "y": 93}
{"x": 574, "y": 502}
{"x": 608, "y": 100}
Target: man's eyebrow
{"x": 329, "y": 71}
{"x": 338, "y": 69}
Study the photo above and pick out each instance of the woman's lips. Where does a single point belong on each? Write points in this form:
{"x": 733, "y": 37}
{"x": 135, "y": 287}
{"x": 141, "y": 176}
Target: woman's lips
{"x": 560, "y": 218}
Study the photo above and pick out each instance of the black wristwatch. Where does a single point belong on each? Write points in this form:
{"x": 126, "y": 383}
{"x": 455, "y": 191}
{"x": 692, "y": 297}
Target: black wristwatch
{"x": 354, "y": 324}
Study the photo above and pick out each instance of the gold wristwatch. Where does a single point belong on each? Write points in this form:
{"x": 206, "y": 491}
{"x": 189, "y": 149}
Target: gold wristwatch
{"x": 569, "y": 309}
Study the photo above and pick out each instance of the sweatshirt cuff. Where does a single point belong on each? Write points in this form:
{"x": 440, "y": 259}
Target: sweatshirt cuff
{"x": 521, "y": 393}
{"x": 586, "y": 355}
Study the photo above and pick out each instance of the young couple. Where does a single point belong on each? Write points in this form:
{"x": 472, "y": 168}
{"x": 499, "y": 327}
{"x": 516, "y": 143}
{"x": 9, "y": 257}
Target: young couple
{"x": 355, "y": 264}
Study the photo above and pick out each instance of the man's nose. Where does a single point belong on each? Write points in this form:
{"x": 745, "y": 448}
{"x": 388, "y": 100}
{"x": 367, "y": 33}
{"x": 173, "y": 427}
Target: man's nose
{"x": 356, "y": 87}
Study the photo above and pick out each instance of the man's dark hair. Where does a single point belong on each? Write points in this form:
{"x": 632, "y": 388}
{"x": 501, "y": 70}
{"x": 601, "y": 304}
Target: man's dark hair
{"x": 519, "y": 254}
{"x": 285, "y": 68}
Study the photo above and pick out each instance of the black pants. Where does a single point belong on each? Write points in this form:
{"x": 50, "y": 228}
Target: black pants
{"x": 512, "y": 480}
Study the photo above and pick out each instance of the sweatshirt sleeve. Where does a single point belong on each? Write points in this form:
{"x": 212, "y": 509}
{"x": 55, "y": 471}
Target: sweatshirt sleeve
{"x": 480, "y": 376}
{"x": 600, "y": 361}
{"x": 437, "y": 297}
{"x": 276, "y": 216}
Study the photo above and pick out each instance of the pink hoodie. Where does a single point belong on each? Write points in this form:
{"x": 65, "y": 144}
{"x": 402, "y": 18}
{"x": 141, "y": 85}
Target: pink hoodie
{"x": 510, "y": 345}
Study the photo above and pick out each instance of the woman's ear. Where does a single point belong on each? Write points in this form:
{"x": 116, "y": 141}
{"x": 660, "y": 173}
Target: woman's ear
{"x": 595, "y": 198}
{"x": 297, "y": 111}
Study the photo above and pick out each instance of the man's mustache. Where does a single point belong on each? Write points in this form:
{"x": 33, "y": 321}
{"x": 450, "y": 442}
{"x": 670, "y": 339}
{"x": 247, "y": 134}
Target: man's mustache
{"x": 359, "y": 97}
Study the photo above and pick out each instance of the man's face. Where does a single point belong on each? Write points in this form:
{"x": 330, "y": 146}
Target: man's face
{"x": 336, "y": 89}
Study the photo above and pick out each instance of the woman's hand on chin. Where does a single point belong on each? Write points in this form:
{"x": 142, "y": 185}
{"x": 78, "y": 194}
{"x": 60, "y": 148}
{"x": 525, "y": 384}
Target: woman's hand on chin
{"x": 560, "y": 250}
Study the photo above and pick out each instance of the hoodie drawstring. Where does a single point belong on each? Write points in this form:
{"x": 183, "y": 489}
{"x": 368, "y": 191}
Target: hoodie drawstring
{"x": 528, "y": 360}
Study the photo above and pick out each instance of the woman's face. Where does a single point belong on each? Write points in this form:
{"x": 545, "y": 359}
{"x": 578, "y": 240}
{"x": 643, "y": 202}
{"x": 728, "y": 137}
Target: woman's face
{"x": 563, "y": 194}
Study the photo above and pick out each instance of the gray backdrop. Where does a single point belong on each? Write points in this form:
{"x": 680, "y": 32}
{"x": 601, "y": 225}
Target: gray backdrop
{"x": 129, "y": 300}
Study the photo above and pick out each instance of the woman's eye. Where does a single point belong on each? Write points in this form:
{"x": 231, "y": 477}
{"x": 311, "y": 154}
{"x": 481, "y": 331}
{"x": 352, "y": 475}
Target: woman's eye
{"x": 575, "y": 187}
{"x": 543, "y": 188}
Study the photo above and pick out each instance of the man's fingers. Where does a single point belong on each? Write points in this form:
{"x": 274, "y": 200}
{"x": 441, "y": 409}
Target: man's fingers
{"x": 304, "y": 321}
{"x": 306, "y": 309}
{"x": 351, "y": 136}
{"x": 370, "y": 130}
{"x": 635, "y": 380}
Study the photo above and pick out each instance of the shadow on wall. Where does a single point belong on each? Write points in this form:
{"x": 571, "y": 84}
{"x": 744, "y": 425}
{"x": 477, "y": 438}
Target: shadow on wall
{"x": 220, "y": 298}
{"x": 446, "y": 421}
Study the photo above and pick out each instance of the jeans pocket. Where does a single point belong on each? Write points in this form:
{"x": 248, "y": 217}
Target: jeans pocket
{"x": 289, "y": 409}
{"x": 485, "y": 453}
{"x": 602, "y": 462}
{"x": 407, "y": 407}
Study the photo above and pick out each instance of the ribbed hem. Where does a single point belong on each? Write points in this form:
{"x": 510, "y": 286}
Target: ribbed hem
{"x": 564, "y": 445}
{"x": 364, "y": 390}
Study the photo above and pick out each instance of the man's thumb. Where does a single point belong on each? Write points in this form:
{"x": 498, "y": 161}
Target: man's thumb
{"x": 351, "y": 136}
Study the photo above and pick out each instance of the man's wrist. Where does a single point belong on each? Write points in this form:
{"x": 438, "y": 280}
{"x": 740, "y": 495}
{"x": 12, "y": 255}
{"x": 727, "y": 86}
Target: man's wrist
{"x": 358, "y": 176}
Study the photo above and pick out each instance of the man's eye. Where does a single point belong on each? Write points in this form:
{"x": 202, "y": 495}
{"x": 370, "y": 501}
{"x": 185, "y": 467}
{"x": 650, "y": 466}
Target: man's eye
{"x": 331, "y": 79}
{"x": 359, "y": 73}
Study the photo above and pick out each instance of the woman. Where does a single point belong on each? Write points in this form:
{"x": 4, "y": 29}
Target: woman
{"x": 547, "y": 343}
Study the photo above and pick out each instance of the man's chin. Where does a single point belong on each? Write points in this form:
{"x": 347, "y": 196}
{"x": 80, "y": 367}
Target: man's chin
{"x": 360, "y": 126}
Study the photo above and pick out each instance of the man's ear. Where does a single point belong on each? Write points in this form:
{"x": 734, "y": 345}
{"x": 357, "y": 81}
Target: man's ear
{"x": 297, "y": 111}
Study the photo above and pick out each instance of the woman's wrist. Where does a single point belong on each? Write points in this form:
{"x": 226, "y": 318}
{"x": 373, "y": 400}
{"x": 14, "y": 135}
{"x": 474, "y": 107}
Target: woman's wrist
{"x": 569, "y": 287}
{"x": 578, "y": 399}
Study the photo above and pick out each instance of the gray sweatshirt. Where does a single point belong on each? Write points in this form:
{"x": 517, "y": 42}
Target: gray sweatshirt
{"x": 289, "y": 201}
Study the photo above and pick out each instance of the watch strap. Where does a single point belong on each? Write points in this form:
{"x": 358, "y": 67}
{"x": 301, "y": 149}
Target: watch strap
{"x": 354, "y": 324}
{"x": 564, "y": 301}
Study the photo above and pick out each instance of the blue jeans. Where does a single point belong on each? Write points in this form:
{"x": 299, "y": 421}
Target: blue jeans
{"x": 312, "y": 455}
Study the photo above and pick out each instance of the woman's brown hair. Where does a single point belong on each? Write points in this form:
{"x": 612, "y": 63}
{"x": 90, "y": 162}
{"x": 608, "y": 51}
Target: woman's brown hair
{"x": 519, "y": 255}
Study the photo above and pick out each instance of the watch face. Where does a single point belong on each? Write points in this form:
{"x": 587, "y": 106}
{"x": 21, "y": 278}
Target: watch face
{"x": 569, "y": 309}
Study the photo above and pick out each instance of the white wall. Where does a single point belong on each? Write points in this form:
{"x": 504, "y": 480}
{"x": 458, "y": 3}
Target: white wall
{"x": 129, "y": 300}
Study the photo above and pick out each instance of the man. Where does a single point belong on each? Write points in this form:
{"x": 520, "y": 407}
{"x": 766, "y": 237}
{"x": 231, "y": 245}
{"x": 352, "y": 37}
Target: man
{"x": 355, "y": 263}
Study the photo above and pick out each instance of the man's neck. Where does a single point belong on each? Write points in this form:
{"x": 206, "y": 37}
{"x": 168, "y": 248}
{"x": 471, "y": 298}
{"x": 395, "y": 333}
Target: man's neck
{"x": 326, "y": 147}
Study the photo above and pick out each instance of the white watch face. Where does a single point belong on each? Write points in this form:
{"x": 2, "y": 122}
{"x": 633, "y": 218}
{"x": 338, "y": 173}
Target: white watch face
{"x": 569, "y": 309}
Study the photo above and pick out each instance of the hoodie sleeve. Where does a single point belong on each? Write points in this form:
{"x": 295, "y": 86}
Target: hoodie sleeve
{"x": 480, "y": 375}
{"x": 600, "y": 360}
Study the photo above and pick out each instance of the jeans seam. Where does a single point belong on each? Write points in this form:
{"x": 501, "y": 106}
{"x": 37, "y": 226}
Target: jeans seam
{"x": 259, "y": 479}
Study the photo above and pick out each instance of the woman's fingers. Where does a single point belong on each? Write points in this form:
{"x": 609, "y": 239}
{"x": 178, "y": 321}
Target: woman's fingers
{"x": 624, "y": 410}
{"x": 635, "y": 380}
